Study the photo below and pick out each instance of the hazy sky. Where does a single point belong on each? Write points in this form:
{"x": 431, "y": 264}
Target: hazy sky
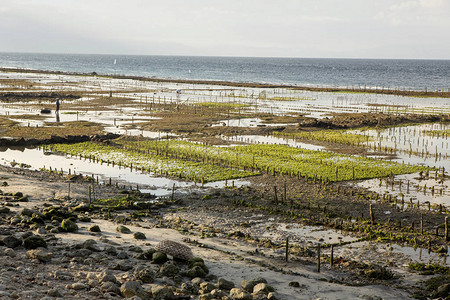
{"x": 289, "y": 28}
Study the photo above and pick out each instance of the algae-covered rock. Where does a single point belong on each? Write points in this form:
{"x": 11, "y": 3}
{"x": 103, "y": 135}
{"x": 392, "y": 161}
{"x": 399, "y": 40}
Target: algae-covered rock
{"x": 139, "y": 236}
{"x": 123, "y": 229}
{"x": 94, "y": 228}
{"x": 69, "y": 226}
{"x": 159, "y": 258}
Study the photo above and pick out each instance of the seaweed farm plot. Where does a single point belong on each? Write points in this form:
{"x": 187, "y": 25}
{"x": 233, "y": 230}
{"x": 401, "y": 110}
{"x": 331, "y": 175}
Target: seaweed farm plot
{"x": 148, "y": 162}
{"x": 428, "y": 142}
{"x": 259, "y": 139}
{"x": 278, "y": 159}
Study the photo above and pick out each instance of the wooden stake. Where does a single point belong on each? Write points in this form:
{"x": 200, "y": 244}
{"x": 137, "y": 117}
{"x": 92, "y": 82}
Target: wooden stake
{"x": 331, "y": 256}
{"x": 318, "y": 258}
{"x": 287, "y": 249}
{"x": 372, "y": 217}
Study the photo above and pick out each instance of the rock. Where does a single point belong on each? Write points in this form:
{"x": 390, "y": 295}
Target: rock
{"x": 218, "y": 294}
{"x": 197, "y": 261}
{"x": 271, "y": 296}
{"x": 107, "y": 276}
{"x": 54, "y": 293}
{"x": 91, "y": 245}
{"x": 123, "y": 266}
{"x": 159, "y": 258}
{"x": 169, "y": 269}
{"x": 196, "y": 272}
{"x": 40, "y": 254}
{"x": 27, "y": 212}
{"x": 206, "y": 287}
{"x": 443, "y": 291}
{"x": 85, "y": 219}
{"x": 162, "y": 292}
{"x": 122, "y": 255}
{"x": 132, "y": 288}
{"x": 94, "y": 228}
{"x": 294, "y": 284}
{"x": 110, "y": 287}
{"x": 10, "y": 252}
{"x": 174, "y": 249}
{"x": 123, "y": 229}
{"x": 69, "y": 226}
{"x": 4, "y": 210}
{"x": 79, "y": 286}
{"x": 136, "y": 249}
{"x": 110, "y": 250}
{"x": 63, "y": 275}
{"x": 189, "y": 288}
{"x": 139, "y": 236}
{"x": 224, "y": 284}
{"x": 12, "y": 242}
{"x": 197, "y": 281}
{"x": 81, "y": 207}
{"x": 208, "y": 296}
{"x": 261, "y": 288}
{"x": 149, "y": 253}
{"x": 34, "y": 241}
{"x": 145, "y": 274}
{"x": 248, "y": 285}
{"x": 240, "y": 294}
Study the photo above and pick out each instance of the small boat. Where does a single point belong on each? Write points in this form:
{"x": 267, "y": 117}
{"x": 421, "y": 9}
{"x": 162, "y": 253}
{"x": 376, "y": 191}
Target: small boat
{"x": 46, "y": 111}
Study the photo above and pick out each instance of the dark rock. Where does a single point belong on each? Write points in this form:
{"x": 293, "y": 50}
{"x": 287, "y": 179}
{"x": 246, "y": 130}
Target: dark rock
{"x": 94, "y": 228}
{"x": 139, "y": 236}
{"x": 159, "y": 258}
{"x": 196, "y": 272}
{"x": 123, "y": 229}
{"x": 443, "y": 291}
{"x": 91, "y": 245}
{"x": 34, "y": 241}
{"x": 107, "y": 276}
{"x": 149, "y": 253}
{"x": 162, "y": 292}
{"x": 224, "y": 284}
{"x": 4, "y": 210}
{"x": 132, "y": 288}
{"x": 110, "y": 287}
{"x": 169, "y": 269}
{"x": 145, "y": 274}
{"x": 11, "y": 241}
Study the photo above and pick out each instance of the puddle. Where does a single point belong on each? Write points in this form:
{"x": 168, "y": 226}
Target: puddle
{"x": 391, "y": 254}
{"x": 424, "y": 190}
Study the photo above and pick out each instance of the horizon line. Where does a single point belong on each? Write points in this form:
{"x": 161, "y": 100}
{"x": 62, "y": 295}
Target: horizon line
{"x": 218, "y": 56}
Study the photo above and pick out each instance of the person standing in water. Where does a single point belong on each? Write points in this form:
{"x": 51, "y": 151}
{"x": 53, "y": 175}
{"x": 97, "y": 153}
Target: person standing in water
{"x": 57, "y": 105}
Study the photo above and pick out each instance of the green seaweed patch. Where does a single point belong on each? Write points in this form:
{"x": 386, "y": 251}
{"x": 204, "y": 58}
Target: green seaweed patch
{"x": 160, "y": 163}
{"x": 332, "y": 136}
{"x": 429, "y": 269}
{"x": 278, "y": 159}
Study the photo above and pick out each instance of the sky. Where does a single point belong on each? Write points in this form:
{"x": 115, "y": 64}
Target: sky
{"x": 410, "y": 29}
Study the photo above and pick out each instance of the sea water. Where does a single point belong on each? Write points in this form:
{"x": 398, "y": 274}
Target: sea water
{"x": 431, "y": 75}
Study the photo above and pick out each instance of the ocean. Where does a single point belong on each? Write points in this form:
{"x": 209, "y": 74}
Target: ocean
{"x": 428, "y": 75}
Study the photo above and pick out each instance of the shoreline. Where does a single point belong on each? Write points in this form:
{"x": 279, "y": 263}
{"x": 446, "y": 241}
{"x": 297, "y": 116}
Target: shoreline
{"x": 369, "y": 90}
